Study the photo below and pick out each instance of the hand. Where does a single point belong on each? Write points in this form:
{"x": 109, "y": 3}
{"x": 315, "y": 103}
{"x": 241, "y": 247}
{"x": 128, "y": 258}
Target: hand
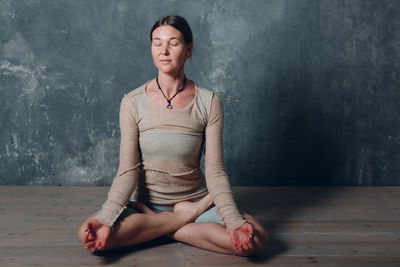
{"x": 96, "y": 234}
{"x": 242, "y": 238}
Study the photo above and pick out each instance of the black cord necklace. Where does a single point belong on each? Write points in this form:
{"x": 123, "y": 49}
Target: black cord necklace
{"x": 169, "y": 106}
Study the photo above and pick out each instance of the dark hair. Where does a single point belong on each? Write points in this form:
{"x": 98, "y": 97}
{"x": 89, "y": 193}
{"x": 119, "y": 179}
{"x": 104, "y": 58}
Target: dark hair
{"x": 178, "y": 23}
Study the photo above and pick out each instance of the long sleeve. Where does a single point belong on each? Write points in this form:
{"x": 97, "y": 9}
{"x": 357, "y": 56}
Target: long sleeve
{"x": 216, "y": 178}
{"x": 127, "y": 176}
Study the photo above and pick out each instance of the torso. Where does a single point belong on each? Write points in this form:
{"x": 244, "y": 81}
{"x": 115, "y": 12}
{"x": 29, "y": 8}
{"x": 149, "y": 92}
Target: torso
{"x": 171, "y": 142}
{"x": 180, "y": 101}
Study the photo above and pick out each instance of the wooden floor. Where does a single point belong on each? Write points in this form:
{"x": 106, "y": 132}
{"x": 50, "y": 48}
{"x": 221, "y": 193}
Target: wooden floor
{"x": 308, "y": 226}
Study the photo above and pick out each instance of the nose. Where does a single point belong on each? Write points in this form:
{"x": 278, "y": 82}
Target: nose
{"x": 165, "y": 50}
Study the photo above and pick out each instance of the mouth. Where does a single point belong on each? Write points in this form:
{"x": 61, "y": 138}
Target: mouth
{"x": 165, "y": 61}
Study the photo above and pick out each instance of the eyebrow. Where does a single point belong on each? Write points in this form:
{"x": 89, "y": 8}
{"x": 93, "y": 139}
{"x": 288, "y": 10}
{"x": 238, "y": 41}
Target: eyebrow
{"x": 156, "y": 38}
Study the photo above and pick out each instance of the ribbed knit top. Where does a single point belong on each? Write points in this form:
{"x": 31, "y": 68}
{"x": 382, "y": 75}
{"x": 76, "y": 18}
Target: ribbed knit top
{"x": 160, "y": 154}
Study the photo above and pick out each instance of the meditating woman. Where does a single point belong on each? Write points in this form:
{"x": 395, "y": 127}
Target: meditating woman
{"x": 159, "y": 190}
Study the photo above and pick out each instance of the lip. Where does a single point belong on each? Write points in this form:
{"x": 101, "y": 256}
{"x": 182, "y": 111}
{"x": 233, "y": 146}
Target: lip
{"x": 165, "y": 60}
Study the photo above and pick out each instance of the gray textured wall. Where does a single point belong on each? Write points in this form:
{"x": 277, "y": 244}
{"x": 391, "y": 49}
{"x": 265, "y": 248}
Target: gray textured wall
{"x": 310, "y": 88}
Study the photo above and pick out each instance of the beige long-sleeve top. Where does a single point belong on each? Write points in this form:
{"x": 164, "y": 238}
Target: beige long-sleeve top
{"x": 160, "y": 154}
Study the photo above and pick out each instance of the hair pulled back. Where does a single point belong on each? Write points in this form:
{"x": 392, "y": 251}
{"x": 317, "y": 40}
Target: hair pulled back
{"x": 178, "y": 23}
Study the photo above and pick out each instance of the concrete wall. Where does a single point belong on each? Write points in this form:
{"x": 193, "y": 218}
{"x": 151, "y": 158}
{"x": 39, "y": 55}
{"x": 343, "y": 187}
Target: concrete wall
{"x": 310, "y": 88}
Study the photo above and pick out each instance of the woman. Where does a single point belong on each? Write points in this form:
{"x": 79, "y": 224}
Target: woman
{"x": 166, "y": 124}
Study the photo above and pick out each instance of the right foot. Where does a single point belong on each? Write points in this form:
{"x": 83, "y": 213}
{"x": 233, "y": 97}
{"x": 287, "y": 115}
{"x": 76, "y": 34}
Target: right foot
{"x": 192, "y": 210}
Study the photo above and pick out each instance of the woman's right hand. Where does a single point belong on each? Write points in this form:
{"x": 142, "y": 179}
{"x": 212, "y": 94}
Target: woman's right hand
{"x": 96, "y": 234}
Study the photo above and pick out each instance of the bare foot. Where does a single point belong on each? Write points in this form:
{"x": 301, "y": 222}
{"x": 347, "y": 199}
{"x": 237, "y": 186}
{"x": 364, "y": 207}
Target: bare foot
{"x": 141, "y": 207}
{"x": 192, "y": 210}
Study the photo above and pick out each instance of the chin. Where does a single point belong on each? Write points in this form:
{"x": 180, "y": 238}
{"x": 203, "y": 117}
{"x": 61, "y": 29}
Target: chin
{"x": 168, "y": 70}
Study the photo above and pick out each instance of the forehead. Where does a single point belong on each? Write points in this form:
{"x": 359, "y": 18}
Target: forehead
{"x": 166, "y": 32}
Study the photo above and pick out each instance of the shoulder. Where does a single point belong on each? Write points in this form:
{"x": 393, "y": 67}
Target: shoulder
{"x": 133, "y": 99}
{"x": 203, "y": 91}
{"x": 208, "y": 97}
{"x": 209, "y": 104}
{"x": 136, "y": 93}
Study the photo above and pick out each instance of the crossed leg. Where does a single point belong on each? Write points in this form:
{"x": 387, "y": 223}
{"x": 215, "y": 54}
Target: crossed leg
{"x": 213, "y": 236}
{"x": 178, "y": 225}
{"x": 142, "y": 227}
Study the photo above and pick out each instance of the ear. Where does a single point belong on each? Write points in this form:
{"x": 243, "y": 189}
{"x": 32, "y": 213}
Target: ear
{"x": 189, "y": 49}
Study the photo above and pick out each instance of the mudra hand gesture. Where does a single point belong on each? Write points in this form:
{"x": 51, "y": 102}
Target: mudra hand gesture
{"x": 242, "y": 238}
{"x": 96, "y": 235}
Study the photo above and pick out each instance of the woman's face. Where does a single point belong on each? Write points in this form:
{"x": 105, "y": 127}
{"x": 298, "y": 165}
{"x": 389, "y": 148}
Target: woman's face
{"x": 168, "y": 49}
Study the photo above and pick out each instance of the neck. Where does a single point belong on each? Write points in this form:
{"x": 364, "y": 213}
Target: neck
{"x": 170, "y": 83}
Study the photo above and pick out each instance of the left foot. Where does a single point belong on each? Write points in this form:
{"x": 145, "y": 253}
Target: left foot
{"x": 192, "y": 210}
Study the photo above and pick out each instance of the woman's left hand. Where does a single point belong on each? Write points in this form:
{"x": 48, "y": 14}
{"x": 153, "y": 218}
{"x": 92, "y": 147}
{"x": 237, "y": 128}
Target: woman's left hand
{"x": 242, "y": 237}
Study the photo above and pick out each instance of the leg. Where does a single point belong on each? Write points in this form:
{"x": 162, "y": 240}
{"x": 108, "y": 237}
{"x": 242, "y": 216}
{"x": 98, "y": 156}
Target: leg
{"x": 138, "y": 228}
{"x": 213, "y": 236}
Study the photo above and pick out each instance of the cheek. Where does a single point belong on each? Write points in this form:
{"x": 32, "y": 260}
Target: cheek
{"x": 181, "y": 54}
{"x": 153, "y": 52}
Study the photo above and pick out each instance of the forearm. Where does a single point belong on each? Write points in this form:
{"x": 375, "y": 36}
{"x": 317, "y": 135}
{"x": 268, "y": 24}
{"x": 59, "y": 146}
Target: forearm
{"x": 118, "y": 196}
{"x": 223, "y": 199}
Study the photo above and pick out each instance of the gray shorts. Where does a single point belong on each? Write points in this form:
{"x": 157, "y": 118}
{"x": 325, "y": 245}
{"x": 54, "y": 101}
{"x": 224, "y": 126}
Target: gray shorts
{"x": 209, "y": 215}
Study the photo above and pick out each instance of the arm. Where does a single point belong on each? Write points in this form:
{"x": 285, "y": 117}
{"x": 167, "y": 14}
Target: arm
{"x": 126, "y": 179}
{"x": 216, "y": 178}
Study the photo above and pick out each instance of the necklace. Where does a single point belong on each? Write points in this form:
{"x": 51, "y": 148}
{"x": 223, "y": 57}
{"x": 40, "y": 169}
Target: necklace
{"x": 169, "y": 106}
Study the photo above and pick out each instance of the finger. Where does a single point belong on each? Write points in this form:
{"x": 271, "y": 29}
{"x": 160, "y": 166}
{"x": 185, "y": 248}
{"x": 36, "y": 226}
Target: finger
{"x": 91, "y": 226}
{"x": 251, "y": 229}
{"x": 98, "y": 245}
{"x": 86, "y": 229}
{"x": 89, "y": 245}
{"x": 87, "y": 239}
{"x": 233, "y": 244}
{"x": 238, "y": 245}
{"x": 86, "y": 235}
{"x": 91, "y": 236}
{"x": 248, "y": 227}
{"x": 103, "y": 242}
{"x": 95, "y": 246}
{"x": 251, "y": 244}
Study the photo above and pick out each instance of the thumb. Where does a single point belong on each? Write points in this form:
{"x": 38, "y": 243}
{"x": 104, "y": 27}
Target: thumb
{"x": 249, "y": 229}
{"x": 92, "y": 226}
{"x": 89, "y": 226}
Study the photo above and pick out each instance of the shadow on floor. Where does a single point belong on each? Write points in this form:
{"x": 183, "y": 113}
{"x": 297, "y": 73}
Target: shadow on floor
{"x": 282, "y": 205}
{"x": 114, "y": 255}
